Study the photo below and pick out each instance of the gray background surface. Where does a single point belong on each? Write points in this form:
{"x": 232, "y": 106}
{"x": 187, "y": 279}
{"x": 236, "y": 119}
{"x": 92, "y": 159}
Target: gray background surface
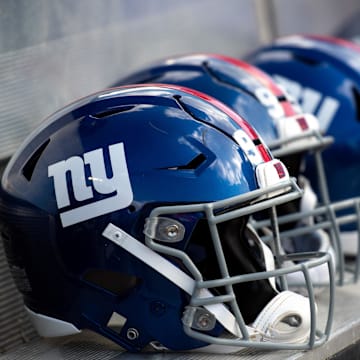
{"x": 52, "y": 52}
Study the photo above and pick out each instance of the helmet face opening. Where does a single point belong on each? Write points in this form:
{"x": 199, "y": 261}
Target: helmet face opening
{"x": 243, "y": 256}
{"x": 213, "y": 257}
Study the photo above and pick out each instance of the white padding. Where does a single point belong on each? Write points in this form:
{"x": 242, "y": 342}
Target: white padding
{"x": 284, "y": 305}
{"x": 349, "y": 242}
{"x": 272, "y": 173}
{"x": 50, "y": 327}
{"x": 308, "y": 201}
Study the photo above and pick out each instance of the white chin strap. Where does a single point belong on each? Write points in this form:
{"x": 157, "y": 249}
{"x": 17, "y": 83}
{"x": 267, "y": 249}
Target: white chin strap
{"x": 274, "y": 320}
{"x": 270, "y": 325}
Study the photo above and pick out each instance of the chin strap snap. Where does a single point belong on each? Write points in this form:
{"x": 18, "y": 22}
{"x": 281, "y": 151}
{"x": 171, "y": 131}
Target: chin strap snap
{"x": 286, "y": 318}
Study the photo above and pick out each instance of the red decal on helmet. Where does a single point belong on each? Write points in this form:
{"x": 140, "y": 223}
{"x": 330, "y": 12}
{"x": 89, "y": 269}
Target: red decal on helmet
{"x": 280, "y": 169}
{"x": 302, "y": 123}
{"x": 263, "y": 78}
{"x": 264, "y": 152}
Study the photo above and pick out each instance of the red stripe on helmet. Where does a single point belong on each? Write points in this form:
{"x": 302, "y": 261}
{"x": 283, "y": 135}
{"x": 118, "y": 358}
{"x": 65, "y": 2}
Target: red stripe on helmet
{"x": 334, "y": 40}
{"x": 244, "y": 125}
{"x": 263, "y": 78}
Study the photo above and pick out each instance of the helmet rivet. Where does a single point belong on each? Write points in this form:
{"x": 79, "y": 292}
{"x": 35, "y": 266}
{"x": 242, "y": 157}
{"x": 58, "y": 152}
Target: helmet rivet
{"x": 132, "y": 334}
{"x": 158, "y": 308}
{"x": 203, "y": 321}
{"x": 172, "y": 231}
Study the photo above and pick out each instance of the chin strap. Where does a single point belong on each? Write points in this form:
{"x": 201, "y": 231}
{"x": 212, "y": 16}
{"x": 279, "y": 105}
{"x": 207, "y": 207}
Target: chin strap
{"x": 308, "y": 201}
{"x": 286, "y": 318}
{"x": 270, "y": 324}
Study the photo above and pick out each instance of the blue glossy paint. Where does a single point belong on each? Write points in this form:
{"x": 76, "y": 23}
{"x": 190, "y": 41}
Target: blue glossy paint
{"x": 324, "y": 75}
{"x": 162, "y": 129}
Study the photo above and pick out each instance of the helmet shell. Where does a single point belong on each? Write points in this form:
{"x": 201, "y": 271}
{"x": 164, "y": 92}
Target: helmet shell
{"x": 111, "y": 158}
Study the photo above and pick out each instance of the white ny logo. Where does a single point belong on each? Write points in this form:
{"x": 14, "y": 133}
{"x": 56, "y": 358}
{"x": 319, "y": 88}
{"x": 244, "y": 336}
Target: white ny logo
{"x": 119, "y": 183}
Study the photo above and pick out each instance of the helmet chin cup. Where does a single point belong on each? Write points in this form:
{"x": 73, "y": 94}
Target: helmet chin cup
{"x": 285, "y": 318}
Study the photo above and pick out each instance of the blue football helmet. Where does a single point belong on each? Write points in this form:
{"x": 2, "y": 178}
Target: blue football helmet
{"x": 288, "y": 132}
{"x": 323, "y": 74}
{"x": 126, "y": 213}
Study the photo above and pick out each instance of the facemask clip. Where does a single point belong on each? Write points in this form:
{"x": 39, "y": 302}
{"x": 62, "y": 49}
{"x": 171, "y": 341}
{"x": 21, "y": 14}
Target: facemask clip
{"x": 198, "y": 318}
{"x": 164, "y": 229}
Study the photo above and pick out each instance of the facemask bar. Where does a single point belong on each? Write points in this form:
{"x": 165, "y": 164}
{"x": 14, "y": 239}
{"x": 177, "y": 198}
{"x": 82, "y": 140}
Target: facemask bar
{"x": 215, "y": 214}
{"x": 331, "y": 222}
{"x": 304, "y": 142}
{"x": 336, "y": 221}
{"x": 314, "y": 141}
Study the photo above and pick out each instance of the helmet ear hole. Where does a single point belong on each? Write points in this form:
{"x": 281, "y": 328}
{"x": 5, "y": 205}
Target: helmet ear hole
{"x": 29, "y": 167}
{"x": 117, "y": 283}
{"x": 306, "y": 60}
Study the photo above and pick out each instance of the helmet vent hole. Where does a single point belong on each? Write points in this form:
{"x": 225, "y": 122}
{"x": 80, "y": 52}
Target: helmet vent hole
{"x": 29, "y": 167}
{"x": 111, "y": 112}
{"x": 194, "y": 163}
{"x": 306, "y": 60}
{"x": 191, "y": 165}
{"x": 356, "y": 95}
{"x": 222, "y": 78}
